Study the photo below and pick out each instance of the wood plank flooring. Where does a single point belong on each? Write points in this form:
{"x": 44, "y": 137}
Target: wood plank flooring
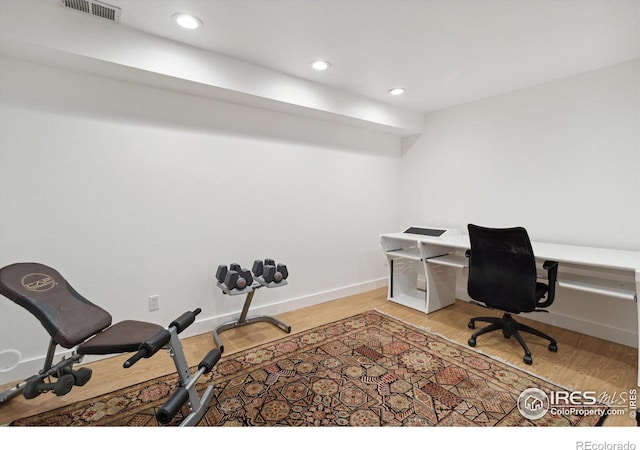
{"x": 582, "y": 362}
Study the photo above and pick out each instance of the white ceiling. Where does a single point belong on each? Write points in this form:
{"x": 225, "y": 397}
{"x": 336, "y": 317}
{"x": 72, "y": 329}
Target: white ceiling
{"x": 444, "y": 52}
{"x": 257, "y": 52}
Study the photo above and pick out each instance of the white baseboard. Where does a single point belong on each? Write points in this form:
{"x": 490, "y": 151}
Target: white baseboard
{"x": 590, "y": 328}
{"x": 210, "y": 323}
{"x": 29, "y": 367}
{"x": 582, "y": 325}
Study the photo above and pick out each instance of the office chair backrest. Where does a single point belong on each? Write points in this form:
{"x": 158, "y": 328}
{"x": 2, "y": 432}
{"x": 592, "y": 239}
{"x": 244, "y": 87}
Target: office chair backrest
{"x": 502, "y": 268}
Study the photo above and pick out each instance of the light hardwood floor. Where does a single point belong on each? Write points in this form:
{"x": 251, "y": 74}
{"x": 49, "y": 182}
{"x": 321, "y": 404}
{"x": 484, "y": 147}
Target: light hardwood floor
{"x": 581, "y": 363}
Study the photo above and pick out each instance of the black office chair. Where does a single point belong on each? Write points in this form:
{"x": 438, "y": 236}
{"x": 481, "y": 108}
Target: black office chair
{"x": 502, "y": 275}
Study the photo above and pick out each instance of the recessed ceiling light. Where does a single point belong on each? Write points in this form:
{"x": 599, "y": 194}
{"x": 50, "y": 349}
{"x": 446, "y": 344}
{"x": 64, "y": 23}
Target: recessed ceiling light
{"x": 320, "y": 65}
{"x": 396, "y": 91}
{"x": 187, "y": 21}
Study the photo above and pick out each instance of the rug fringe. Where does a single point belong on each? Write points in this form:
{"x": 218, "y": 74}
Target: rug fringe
{"x": 496, "y": 358}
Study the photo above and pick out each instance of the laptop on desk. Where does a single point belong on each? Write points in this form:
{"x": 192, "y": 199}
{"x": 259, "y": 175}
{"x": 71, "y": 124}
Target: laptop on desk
{"x": 435, "y": 232}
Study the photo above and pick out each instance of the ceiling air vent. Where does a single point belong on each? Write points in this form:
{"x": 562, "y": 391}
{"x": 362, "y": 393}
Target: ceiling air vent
{"x": 94, "y": 8}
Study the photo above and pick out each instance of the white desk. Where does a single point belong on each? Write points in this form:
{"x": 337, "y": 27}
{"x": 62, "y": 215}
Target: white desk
{"x": 614, "y": 273}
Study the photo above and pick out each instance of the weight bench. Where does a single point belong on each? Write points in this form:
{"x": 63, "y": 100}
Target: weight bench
{"x": 72, "y": 321}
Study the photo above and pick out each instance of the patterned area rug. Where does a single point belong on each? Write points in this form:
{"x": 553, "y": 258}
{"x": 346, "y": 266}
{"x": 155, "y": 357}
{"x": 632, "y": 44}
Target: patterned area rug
{"x": 366, "y": 370}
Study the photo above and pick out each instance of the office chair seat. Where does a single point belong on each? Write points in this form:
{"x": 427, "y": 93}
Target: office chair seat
{"x": 503, "y": 275}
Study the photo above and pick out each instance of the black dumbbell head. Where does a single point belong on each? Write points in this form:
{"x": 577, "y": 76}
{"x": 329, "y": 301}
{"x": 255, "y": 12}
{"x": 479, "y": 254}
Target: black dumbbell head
{"x": 238, "y": 279}
{"x": 269, "y": 262}
{"x": 282, "y": 268}
{"x": 258, "y": 267}
{"x": 221, "y": 273}
{"x": 235, "y": 266}
{"x": 231, "y": 279}
{"x": 271, "y": 274}
{"x": 247, "y": 277}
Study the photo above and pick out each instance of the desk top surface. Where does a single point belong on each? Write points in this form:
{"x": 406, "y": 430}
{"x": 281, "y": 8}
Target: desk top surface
{"x": 591, "y": 256}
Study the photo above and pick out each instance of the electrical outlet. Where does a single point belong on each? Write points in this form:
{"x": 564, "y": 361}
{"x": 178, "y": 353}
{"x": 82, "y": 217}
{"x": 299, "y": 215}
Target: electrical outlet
{"x": 154, "y": 302}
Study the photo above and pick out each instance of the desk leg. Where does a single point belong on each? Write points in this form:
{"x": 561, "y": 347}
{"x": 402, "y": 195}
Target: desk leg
{"x": 440, "y": 286}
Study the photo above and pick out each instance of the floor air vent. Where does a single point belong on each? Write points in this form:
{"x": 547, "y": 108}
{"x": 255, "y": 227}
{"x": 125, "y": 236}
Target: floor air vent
{"x": 94, "y": 8}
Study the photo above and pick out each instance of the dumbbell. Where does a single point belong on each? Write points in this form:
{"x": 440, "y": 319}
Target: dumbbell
{"x": 259, "y": 265}
{"x": 235, "y": 277}
{"x": 221, "y": 273}
{"x": 270, "y": 271}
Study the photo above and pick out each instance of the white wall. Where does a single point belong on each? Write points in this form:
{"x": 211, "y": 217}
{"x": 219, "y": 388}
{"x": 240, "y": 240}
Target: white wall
{"x": 131, "y": 191}
{"x": 561, "y": 159}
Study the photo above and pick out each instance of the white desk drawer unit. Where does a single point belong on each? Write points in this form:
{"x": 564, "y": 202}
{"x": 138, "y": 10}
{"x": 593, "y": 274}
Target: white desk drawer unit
{"x": 437, "y": 254}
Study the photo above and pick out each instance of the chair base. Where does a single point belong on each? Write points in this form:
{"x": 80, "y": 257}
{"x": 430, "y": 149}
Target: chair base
{"x": 510, "y": 327}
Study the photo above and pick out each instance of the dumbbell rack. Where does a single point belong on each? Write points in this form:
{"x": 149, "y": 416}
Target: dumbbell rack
{"x": 249, "y": 290}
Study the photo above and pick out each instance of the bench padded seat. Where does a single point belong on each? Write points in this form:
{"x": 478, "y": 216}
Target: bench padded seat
{"x": 123, "y": 337}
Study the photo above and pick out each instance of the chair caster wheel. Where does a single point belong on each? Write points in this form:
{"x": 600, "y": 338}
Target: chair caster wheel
{"x": 472, "y": 342}
{"x": 553, "y": 347}
{"x": 527, "y": 359}
{"x": 471, "y": 325}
